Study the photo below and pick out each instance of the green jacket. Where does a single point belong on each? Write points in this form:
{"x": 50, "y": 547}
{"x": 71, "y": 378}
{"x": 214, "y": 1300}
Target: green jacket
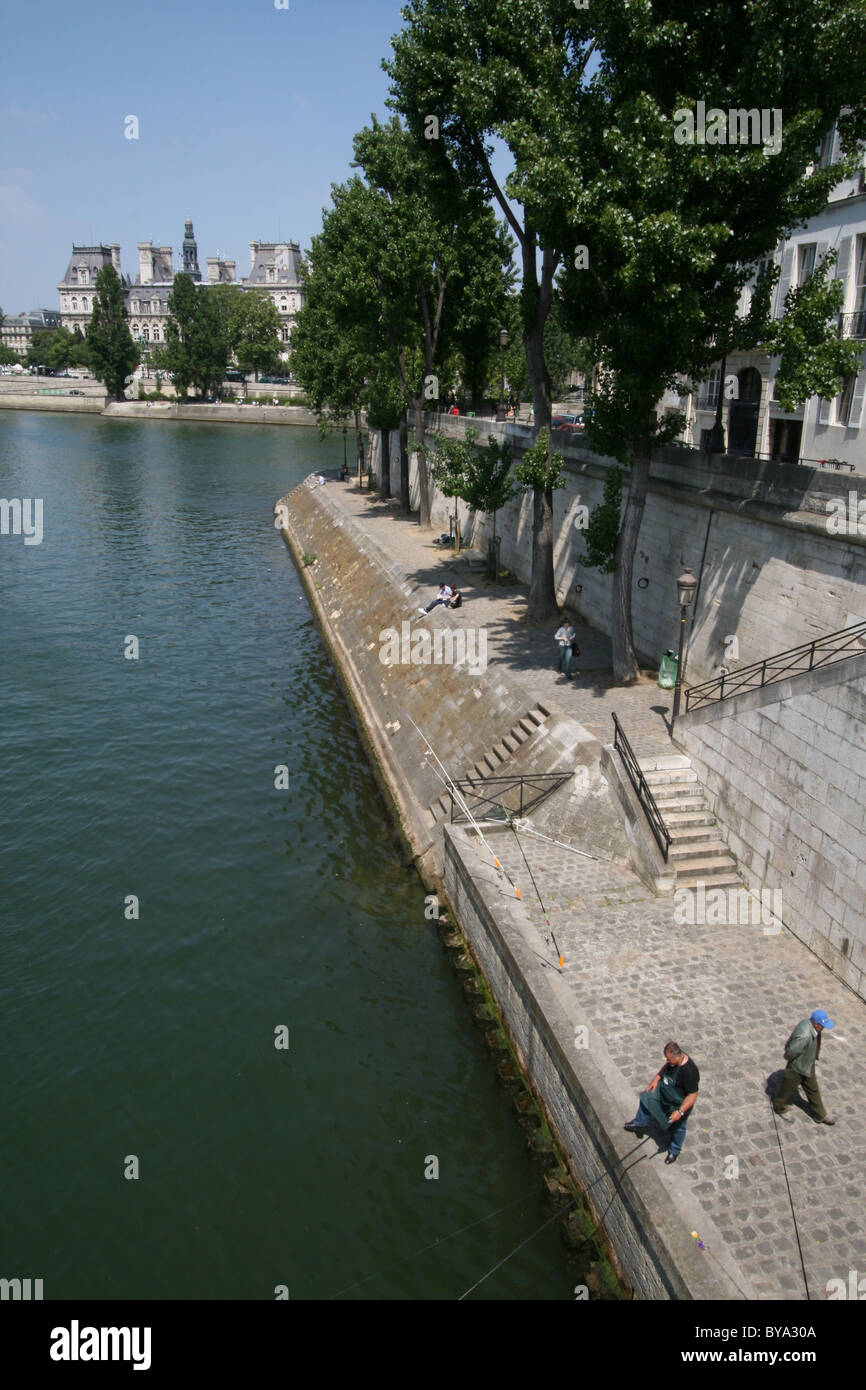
{"x": 802, "y": 1047}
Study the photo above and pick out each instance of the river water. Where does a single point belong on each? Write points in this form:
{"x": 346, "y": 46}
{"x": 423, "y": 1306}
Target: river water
{"x": 146, "y": 1043}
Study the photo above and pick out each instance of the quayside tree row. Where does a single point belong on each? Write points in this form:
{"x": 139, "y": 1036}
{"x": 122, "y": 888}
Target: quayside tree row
{"x": 644, "y": 238}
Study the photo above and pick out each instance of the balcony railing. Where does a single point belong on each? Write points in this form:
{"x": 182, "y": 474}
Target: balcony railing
{"x": 853, "y": 325}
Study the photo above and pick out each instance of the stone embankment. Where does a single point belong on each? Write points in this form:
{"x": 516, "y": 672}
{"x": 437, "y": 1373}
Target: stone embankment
{"x": 419, "y": 720}
{"x": 93, "y": 402}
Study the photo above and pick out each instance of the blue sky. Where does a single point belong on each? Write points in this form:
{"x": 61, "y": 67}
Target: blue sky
{"x": 246, "y": 116}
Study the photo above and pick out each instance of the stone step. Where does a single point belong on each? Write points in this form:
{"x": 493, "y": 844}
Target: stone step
{"x": 692, "y": 830}
{"x": 701, "y": 849}
{"x": 693, "y": 880}
{"x": 670, "y": 776}
{"x": 527, "y": 724}
{"x": 671, "y": 791}
{"x": 663, "y": 762}
{"x": 712, "y": 867}
{"x": 683, "y": 806}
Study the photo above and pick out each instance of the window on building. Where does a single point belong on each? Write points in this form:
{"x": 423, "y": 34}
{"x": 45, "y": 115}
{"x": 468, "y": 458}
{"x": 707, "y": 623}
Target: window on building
{"x": 84, "y": 305}
{"x": 271, "y": 275}
{"x": 825, "y": 152}
{"x": 708, "y": 397}
{"x": 805, "y": 261}
{"x": 284, "y": 333}
{"x": 145, "y": 333}
{"x": 75, "y": 306}
{"x": 860, "y": 291}
{"x": 83, "y": 276}
{"x": 156, "y": 333}
{"x": 845, "y": 400}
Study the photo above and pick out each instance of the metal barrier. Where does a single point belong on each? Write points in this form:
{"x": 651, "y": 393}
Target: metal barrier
{"x": 642, "y": 791}
{"x": 541, "y": 783}
{"x": 835, "y": 646}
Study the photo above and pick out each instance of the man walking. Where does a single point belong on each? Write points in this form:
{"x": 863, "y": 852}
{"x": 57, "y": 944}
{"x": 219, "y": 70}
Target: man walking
{"x": 802, "y": 1051}
{"x": 669, "y": 1099}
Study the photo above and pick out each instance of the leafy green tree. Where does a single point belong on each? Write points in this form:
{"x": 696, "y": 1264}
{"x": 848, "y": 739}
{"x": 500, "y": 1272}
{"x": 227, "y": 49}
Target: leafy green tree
{"x": 254, "y": 332}
{"x": 7, "y": 357}
{"x": 385, "y": 409}
{"x": 435, "y": 257}
{"x": 541, "y": 471}
{"x": 482, "y": 478}
{"x": 112, "y": 352}
{"x": 675, "y": 222}
{"x": 50, "y": 347}
{"x": 510, "y": 69}
{"x": 197, "y": 349}
{"x": 79, "y": 353}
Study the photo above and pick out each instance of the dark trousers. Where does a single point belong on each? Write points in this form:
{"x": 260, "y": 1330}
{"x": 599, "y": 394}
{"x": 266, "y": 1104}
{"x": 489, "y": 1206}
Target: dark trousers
{"x": 791, "y": 1080}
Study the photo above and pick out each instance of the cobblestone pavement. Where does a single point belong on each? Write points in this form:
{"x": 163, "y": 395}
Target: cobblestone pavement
{"x": 529, "y": 653}
{"x": 730, "y": 995}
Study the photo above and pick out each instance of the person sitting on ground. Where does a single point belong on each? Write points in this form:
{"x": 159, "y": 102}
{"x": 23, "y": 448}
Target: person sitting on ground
{"x": 445, "y": 595}
{"x": 456, "y": 599}
{"x": 566, "y": 636}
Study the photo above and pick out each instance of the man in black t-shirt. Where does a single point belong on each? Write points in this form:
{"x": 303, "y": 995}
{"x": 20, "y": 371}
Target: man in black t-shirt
{"x": 669, "y": 1099}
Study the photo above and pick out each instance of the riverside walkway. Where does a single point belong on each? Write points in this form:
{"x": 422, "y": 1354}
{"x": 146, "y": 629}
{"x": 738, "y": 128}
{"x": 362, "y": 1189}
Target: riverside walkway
{"x": 729, "y": 995}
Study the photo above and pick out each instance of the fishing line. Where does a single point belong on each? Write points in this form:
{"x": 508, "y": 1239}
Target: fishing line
{"x": 454, "y": 791}
{"x": 538, "y": 892}
{"x": 527, "y": 830}
{"x": 549, "y": 1222}
{"x": 791, "y": 1205}
{"x": 440, "y": 1240}
{"x": 703, "y": 1246}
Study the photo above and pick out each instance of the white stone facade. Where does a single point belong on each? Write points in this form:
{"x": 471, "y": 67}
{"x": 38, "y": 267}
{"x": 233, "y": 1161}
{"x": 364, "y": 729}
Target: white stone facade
{"x": 755, "y": 423}
{"x": 274, "y": 267}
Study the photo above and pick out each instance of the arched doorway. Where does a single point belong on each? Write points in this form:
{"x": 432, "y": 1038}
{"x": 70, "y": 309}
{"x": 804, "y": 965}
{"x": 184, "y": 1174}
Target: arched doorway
{"x": 743, "y": 419}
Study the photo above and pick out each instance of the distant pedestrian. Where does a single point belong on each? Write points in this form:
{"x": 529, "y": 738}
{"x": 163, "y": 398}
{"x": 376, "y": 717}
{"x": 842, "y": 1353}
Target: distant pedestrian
{"x": 669, "y": 1098}
{"x": 566, "y": 637}
{"x": 321, "y": 480}
{"x": 802, "y": 1051}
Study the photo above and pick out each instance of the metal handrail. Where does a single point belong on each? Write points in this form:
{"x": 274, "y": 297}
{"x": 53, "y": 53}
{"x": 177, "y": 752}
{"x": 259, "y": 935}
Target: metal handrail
{"x": 641, "y": 787}
{"x": 466, "y": 786}
{"x": 776, "y": 668}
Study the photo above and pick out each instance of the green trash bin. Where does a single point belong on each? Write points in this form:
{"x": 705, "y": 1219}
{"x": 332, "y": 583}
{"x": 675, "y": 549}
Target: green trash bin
{"x": 668, "y": 670}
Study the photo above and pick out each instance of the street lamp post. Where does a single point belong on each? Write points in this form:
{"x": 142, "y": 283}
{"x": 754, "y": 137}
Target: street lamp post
{"x": 503, "y": 344}
{"x": 686, "y": 585}
{"x": 345, "y": 463}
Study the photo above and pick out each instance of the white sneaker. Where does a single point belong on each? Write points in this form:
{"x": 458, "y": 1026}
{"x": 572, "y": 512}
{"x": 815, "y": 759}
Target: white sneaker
{"x": 423, "y": 612}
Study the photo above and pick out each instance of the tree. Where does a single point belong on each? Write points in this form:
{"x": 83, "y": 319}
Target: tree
{"x": 675, "y": 219}
{"x": 50, "y": 347}
{"x": 254, "y": 332}
{"x": 7, "y": 356}
{"x": 512, "y": 69}
{"x": 540, "y": 471}
{"x": 435, "y": 256}
{"x": 196, "y": 350}
{"x": 479, "y": 477}
{"x": 113, "y": 354}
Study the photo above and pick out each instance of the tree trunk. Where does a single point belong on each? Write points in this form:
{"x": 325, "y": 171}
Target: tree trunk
{"x": 385, "y": 464}
{"x": 360, "y": 444}
{"x": 423, "y": 475}
{"x": 404, "y": 464}
{"x": 542, "y": 606}
{"x": 625, "y": 664}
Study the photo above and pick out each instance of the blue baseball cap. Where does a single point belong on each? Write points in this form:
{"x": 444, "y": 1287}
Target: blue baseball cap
{"x": 819, "y": 1016}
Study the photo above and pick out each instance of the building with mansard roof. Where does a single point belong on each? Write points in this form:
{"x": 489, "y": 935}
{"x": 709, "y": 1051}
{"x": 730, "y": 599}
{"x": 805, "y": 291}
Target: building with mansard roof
{"x": 18, "y": 329}
{"x": 274, "y": 267}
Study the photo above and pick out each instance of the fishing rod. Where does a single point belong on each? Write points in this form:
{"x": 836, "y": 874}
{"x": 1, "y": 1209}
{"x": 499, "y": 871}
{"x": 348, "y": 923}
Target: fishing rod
{"x": 454, "y": 791}
{"x": 451, "y": 786}
{"x": 538, "y": 892}
{"x": 791, "y": 1205}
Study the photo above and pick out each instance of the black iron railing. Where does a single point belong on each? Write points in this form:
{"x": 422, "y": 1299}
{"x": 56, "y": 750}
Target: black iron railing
{"x": 835, "y": 646}
{"x": 642, "y": 791}
{"x": 480, "y": 794}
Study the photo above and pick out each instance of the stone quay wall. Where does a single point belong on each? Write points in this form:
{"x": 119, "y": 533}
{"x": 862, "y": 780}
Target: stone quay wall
{"x": 773, "y": 574}
{"x": 468, "y": 717}
{"x": 784, "y": 769}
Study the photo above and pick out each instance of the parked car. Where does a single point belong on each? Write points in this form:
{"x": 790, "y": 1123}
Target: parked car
{"x": 566, "y": 424}
{"x": 76, "y": 393}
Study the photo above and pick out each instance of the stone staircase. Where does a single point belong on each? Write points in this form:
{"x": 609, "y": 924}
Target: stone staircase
{"x": 497, "y": 762}
{"x": 697, "y": 853}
